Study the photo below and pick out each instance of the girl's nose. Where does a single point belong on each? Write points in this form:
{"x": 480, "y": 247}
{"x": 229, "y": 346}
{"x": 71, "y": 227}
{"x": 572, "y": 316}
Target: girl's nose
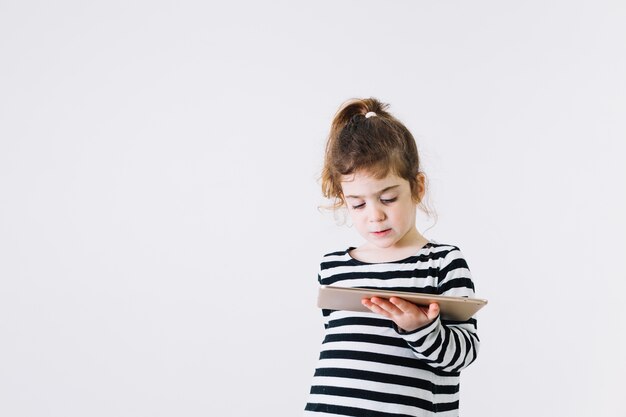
{"x": 376, "y": 214}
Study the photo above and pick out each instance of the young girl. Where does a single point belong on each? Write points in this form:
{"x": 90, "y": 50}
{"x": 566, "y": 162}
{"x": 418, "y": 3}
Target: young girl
{"x": 400, "y": 359}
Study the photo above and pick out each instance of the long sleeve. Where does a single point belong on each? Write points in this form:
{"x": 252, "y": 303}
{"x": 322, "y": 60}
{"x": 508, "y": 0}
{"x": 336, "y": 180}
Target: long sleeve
{"x": 443, "y": 344}
{"x": 366, "y": 367}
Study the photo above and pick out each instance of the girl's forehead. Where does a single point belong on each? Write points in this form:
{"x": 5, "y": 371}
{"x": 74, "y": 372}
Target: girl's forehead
{"x": 363, "y": 183}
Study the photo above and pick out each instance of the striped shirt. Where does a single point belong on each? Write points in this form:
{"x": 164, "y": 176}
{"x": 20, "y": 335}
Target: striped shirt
{"x": 368, "y": 366}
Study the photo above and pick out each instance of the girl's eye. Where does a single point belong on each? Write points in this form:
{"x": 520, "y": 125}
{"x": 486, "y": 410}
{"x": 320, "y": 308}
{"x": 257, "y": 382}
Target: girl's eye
{"x": 388, "y": 200}
{"x": 358, "y": 206}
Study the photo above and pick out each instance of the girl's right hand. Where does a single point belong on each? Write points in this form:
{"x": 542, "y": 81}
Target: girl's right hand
{"x": 406, "y": 315}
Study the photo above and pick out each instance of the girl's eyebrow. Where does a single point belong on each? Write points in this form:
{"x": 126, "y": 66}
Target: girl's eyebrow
{"x": 378, "y": 193}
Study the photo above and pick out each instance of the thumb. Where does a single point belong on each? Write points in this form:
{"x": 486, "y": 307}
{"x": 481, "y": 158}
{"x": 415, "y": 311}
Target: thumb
{"x": 433, "y": 311}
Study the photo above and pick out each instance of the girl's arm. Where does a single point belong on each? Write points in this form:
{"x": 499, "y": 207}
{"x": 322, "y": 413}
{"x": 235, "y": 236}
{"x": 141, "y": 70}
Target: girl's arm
{"x": 443, "y": 344}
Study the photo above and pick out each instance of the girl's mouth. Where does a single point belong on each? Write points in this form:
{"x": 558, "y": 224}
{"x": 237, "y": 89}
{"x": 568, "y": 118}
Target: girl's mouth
{"x": 381, "y": 233}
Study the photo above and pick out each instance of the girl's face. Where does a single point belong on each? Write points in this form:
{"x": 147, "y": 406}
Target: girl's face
{"x": 382, "y": 210}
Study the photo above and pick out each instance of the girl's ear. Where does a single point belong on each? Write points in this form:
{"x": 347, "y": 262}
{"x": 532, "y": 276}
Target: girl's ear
{"x": 420, "y": 186}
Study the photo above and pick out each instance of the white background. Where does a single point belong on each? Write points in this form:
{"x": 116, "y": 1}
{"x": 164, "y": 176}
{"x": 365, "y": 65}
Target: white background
{"x": 159, "y": 230}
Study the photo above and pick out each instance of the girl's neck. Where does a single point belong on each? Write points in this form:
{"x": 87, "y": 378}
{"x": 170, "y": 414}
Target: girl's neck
{"x": 409, "y": 246}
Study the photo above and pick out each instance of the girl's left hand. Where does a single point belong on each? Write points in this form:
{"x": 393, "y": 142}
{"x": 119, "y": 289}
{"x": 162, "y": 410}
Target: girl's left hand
{"x": 405, "y": 314}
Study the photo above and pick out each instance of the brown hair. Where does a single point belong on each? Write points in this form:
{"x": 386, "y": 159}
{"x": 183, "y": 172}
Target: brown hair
{"x": 378, "y": 144}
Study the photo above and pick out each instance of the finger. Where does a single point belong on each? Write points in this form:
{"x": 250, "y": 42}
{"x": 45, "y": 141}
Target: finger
{"x": 403, "y": 305}
{"x": 408, "y": 307}
{"x": 386, "y": 305}
{"x": 433, "y": 311}
{"x": 375, "y": 308}
{"x": 424, "y": 310}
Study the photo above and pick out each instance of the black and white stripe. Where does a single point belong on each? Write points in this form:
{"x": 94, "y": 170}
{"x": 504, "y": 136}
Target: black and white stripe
{"x": 369, "y": 367}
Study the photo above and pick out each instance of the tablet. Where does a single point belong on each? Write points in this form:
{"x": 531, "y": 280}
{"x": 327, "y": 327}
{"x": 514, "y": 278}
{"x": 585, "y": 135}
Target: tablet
{"x": 452, "y": 308}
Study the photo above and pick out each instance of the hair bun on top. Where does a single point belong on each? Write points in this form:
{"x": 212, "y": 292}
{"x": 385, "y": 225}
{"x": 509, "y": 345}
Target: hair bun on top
{"x": 355, "y": 110}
